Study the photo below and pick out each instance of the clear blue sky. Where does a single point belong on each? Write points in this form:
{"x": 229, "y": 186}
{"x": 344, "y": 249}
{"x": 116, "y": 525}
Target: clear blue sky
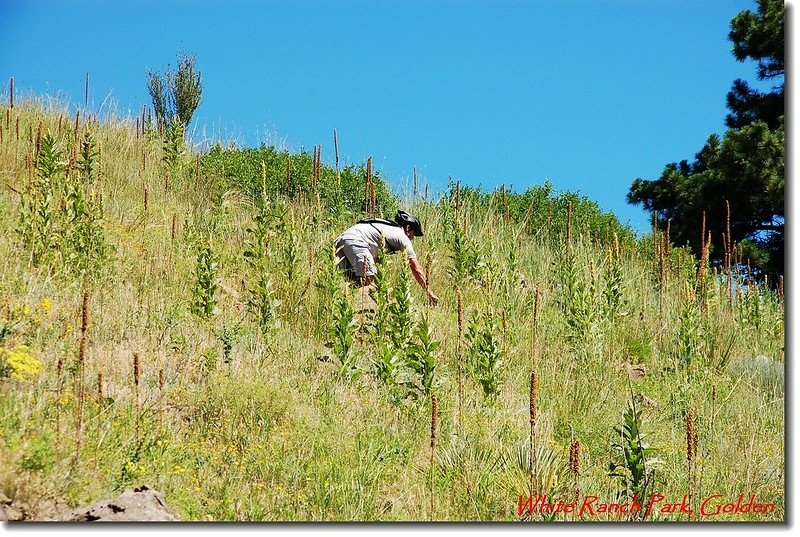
{"x": 588, "y": 93}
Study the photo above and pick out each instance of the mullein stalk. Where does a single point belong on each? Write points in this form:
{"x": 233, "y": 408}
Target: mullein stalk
{"x": 428, "y": 265}
{"x": 662, "y": 281}
{"x": 288, "y": 175}
{"x": 691, "y": 452}
{"x": 81, "y": 367}
{"x": 701, "y": 268}
{"x": 505, "y": 204}
{"x": 77, "y": 124}
{"x": 368, "y": 189}
{"x": 655, "y": 234}
{"x": 728, "y": 246}
{"x": 575, "y": 467}
{"x": 336, "y": 150}
{"x": 569, "y": 227}
{"x": 161, "y": 395}
{"x": 533, "y": 415}
{"x": 136, "y": 377}
{"x": 434, "y": 426}
{"x": 459, "y": 357}
{"x": 59, "y": 370}
{"x": 537, "y": 298}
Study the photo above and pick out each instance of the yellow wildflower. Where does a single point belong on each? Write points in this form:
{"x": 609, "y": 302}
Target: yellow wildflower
{"x": 23, "y": 365}
{"x": 26, "y": 310}
{"x": 46, "y": 305}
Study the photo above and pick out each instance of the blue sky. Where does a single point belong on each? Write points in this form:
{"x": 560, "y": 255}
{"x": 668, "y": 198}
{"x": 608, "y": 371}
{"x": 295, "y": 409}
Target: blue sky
{"x": 588, "y": 93}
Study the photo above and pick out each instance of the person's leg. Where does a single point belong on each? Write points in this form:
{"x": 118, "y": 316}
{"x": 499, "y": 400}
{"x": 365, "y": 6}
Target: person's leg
{"x": 343, "y": 260}
{"x": 359, "y": 261}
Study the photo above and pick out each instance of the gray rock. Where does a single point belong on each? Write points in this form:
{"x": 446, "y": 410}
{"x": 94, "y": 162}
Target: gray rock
{"x": 10, "y": 513}
{"x": 141, "y": 504}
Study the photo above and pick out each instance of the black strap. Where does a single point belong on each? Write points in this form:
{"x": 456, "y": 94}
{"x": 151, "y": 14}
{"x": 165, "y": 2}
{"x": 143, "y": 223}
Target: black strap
{"x": 373, "y": 221}
{"x": 378, "y": 221}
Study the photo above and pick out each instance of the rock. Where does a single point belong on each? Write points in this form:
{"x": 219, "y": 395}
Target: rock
{"x": 643, "y": 400}
{"x": 10, "y": 513}
{"x": 140, "y": 504}
{"x": 637, "y": 372}
{"x": 523, "y": 282}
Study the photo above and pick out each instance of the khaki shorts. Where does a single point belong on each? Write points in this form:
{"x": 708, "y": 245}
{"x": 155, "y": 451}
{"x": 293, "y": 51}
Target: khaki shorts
{"x": 357, "y": 259}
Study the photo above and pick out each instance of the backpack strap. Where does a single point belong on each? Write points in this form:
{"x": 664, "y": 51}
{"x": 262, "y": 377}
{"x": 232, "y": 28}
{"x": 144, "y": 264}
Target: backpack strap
{"x": 373, "y": 221}
{"x": 378, "y": 221}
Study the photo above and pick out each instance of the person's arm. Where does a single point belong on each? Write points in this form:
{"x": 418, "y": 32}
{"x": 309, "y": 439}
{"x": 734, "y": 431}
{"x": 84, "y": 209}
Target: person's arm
{"x": 416, "y": 270}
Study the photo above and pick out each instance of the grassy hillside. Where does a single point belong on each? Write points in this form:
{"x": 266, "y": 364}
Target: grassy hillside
{"x": 175, "y": 320}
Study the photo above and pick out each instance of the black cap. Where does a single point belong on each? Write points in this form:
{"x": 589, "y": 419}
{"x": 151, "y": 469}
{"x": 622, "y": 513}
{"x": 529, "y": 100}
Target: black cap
{"x": 405, "y": 219}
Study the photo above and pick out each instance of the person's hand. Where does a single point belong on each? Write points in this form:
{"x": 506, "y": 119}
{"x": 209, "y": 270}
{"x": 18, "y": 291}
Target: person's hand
{"x": 433, "y": 300}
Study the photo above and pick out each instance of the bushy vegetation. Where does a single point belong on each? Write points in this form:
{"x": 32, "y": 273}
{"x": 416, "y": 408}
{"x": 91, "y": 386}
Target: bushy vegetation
{"x": 210, "y": 349}
{"x": 265, "y": 171}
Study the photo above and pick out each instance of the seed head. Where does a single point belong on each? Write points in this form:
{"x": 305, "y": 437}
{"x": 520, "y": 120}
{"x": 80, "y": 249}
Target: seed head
{"x": 85, "y": 312}
{"x": 575, "y": 458}
{"x": 460, "y": 313}
{"x": 428, "y": 264}
{"x": 136, "y": 368}
{"x": 434, "y": 419}
{"x": 534, "y": 397}
{"x": 691, "y": 442}
{"x": 569, "y": 224}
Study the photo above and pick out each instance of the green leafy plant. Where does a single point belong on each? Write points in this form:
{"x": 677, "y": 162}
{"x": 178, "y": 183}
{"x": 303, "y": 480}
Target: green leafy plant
{"x": 263, "y": 301}
{"x": 204, "y": 301}
{"x": 578, "y": 301}
{"x": 85, "y": 245}
{"x": 484, "y": 353}
{"x": 37, "y": 219}
{"x": 400, "y": 322}
{"x": 342, "y": 336}
{"x": 421, "y": 356}
{"x": 380, "y": 294}
{"x": 174, "y": 149}
{"x": 227, "y": 335}
{"x": 690, "y": 335}
{"x": 387, "y": 364}
{"x": 614, "y": 301}
{"x": 632, "y": 461}
{"x": 467, "y": 257}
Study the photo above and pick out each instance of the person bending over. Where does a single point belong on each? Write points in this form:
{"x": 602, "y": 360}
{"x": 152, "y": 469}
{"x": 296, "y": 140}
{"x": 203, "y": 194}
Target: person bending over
{"x": 361, "y": 242}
